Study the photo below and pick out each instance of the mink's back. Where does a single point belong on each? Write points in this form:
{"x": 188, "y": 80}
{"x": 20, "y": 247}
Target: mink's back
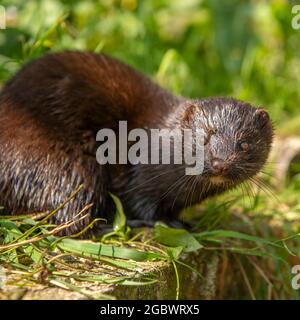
{"x": 73, "y": 91}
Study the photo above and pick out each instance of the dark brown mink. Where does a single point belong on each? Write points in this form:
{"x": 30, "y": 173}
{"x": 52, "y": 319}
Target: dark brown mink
{"x": 52, "y": 109}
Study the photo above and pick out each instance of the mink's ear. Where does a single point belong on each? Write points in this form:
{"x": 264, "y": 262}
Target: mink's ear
{"x": 189, "y": 113}
{"x": 262, "y": 117}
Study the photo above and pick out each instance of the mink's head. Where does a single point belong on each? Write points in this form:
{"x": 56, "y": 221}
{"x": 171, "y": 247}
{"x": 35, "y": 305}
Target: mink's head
{"x": 237, "y": 138}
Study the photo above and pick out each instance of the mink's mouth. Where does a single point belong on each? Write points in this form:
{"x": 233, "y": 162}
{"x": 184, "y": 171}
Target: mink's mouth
{"x": 224, "y": 179}
{"x": 218, "y": 179}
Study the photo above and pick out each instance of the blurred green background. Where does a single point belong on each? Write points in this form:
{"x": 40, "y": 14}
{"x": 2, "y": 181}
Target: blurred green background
{"x": 197, "y": 48}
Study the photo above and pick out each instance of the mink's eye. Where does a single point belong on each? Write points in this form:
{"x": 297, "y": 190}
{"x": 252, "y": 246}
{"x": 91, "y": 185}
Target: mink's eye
{"x": 244, "y": 146}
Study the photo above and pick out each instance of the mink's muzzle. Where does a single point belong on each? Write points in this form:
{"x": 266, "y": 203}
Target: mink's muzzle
{"x": 219, "y": 167}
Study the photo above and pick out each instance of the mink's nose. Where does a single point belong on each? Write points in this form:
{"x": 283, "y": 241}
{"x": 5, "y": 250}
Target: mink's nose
{"x": 219, "y": 166}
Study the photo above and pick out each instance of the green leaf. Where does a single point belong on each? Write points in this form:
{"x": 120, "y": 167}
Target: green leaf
{"x": 174, "y": 252}
{"x": 34, "y": 254}
{"x": 176, "y": 238}
{"x": 120, "y": 218}
{"x": 216, "y": 234}
{"x": 9, "y": 230}
{"x": 89, "y": 248}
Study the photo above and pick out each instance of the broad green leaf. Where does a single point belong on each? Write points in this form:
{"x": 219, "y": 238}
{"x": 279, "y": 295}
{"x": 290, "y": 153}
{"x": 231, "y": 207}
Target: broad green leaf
{"x": 176, "y": 238}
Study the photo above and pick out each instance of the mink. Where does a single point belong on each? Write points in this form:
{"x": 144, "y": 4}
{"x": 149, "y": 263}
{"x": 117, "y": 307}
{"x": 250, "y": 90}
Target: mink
{"x": 51, "y": 111}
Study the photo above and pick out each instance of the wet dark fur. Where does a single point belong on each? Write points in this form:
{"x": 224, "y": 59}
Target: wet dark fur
{"x": 50, "y": 113}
